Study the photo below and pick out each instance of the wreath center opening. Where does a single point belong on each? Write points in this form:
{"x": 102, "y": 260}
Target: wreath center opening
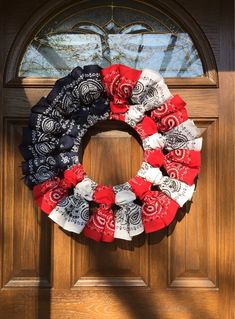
{"x": 111, "y": 152}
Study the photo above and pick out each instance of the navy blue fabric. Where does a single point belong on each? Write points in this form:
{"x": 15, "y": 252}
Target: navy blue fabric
{"x": 56, "y": 162}
{"x": 55, "y": 145}
{"x": 57, "y": 123}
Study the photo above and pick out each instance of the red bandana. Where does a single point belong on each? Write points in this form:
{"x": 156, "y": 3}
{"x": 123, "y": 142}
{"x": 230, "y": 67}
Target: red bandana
{"x": 146, "y": 127}
{"x": 158, "y": 211}
{"x": 119, "y": 81}
{"x": 49, "y": 193}
{"x": 101, "y": 226}
{"x": 139, "y": 186}
{"x": 180, "y": 164}
{"x": 174, "y": 104}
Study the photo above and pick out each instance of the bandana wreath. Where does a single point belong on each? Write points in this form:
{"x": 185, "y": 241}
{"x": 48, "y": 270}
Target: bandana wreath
{"x": 51, "y": 143}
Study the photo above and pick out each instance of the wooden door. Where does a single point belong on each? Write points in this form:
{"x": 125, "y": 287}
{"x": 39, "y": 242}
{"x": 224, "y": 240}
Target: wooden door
{"x": 185, "y": 273}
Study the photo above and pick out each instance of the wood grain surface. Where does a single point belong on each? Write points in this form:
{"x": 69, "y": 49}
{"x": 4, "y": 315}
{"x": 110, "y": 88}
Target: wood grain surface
{"x": 185, "y": 272}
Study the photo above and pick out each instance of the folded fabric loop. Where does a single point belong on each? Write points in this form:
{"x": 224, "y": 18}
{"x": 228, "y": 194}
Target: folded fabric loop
{"x": 68, "y": 103}
{"x": 74, "y": 175}
{"x": 183, "y": 164}
{"x": 158, "y": 211}
{"x": 43, "y": 188}
{"x": 128, "y": 221}
{"x": 181, "y": 172}
{"x": 151, "y": 90}
{"x": 85, "y": 189}
{"x": 80, "y": 116}
{"x": 97, "y": 110}
{"x": 128, "y": 79}
{"x": 187, "y": 157}
{"x": 104, "y": 195}
{"x": 147, "y": 79}
{"x": 194, "y": 145}
{"x": 57, "y": 92}
{"x": 81, "y": 86}
{"x": 182, "y": 136}
{"x": 111, "y": 78}
{"x": 46, "y": 148}
{"x": 154, "y": 141}
{"x": 76, "y": 72}
{"x": 119, "y": 81}
{"x": 40, "y": 176}
{"x": 117, "y": 117}
{"x": 134, "y": 114}
{"x": 49, "y": 194}
{"x": 119, "y": 106}
{"x": 124, "y": 197}
{"x": 121, "y": 187}
{"x": 43, "y": 107}
{"x": 47, "y": 124}
{"x": 146, "y": 127}
{"x": 99, "y": 107}
{"x": 176, "y": 190}
{"x": 46, "y": 202}
{"x": 101, "y": 225}
{"x": 156, "y": 95}
{"x": 30, "y": 136}
{"x": 172, "y": 120}
{"x": 172, "y": 105}
{"x": 71, "y": 213}
{"x": 139, "y": 186}
{"x": 60, "y": 161}
{"x": 91, "y": 87}
{"x": 49, "y": 200}
{"x": 150, "y": 174}
{"x": 154, "y": 157}
{"x": 34, "y": 137}
{"x": 179, "y": 136}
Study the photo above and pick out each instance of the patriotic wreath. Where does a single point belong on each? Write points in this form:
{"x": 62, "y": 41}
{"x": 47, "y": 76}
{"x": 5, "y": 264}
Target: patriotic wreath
{"x": 52, "y": 140}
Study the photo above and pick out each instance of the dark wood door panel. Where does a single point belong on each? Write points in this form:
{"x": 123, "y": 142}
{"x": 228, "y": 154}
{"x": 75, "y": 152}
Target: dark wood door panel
{"x": 184, "y": 272}
{"x": 190, "y": 263}
{"x": 26, "y": 230}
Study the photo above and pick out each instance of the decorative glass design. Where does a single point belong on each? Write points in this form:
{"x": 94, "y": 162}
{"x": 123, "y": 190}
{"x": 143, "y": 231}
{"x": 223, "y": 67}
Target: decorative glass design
{"x": 118, "y": 35}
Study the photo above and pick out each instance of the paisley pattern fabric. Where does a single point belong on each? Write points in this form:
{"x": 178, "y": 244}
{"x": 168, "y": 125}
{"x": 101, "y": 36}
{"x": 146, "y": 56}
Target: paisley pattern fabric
{"x": 51, "y": 143}
{"x": 49, "y": 193}
{"x": 158, "y": 211}
{"x": 101, "y": 225}
{"x": 128, "y": 221}
{"x": 181, "y": 164}
{"x": 72, "y": 213}
{"x": 58, "y": 122}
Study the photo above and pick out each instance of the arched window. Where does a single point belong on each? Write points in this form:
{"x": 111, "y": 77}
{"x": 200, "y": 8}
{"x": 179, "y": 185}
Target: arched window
{"x": 134, "y": 33}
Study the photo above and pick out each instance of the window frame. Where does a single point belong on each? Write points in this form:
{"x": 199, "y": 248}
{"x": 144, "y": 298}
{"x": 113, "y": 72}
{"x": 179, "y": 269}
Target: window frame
{"x": 171, "y": 8}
